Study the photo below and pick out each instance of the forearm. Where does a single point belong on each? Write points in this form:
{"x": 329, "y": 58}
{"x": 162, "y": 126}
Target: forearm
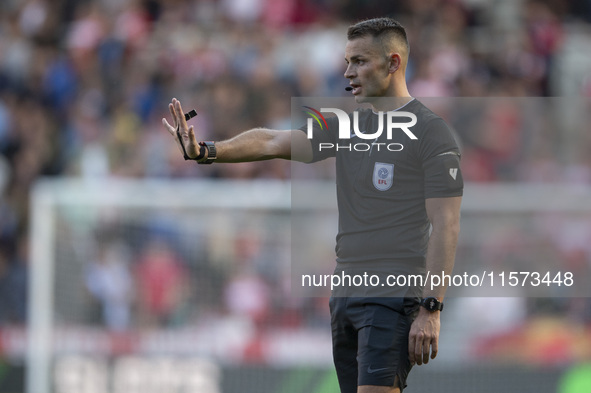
{"x": 441, "y": 254}
{"x": 441, "y": 249}
{"x": 254, "y": 145}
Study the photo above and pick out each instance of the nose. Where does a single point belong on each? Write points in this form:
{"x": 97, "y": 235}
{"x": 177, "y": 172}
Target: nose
{"x": 350, "y": 71}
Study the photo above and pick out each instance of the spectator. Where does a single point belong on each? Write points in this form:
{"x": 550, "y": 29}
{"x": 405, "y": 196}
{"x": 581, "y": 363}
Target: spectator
{"x": 109, "y": 281}
{"x": 161, "y": 284}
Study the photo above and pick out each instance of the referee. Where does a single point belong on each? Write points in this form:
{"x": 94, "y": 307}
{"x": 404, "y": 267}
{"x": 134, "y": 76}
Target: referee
{"x": 398, "y": 209}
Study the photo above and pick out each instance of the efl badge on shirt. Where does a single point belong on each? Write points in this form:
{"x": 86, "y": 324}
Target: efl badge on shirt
{"x": 383, "y": 175}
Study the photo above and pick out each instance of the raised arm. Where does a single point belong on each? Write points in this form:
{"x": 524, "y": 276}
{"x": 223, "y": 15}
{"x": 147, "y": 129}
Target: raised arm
{"x": 253, "y": 145}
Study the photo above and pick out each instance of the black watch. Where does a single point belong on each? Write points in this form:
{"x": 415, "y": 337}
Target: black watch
{"x": 211, "y": 152}
{"x": 432, "y": 304}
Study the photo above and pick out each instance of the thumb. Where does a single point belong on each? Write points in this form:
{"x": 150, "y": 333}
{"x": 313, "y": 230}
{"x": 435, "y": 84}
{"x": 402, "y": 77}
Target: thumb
{"x": 192, "y": 135}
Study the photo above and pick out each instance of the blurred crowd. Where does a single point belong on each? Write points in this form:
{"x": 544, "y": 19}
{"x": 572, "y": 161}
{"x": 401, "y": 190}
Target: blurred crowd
{"x": 84, "y": 84}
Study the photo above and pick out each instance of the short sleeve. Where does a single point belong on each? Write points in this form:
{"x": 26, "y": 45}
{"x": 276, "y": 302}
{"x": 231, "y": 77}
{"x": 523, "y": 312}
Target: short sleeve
{"x": 322, "y": 138}
{"x": 440, "y": 157}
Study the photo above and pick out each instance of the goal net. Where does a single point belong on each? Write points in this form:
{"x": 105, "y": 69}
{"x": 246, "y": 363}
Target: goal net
{"x": 150, "y": 286}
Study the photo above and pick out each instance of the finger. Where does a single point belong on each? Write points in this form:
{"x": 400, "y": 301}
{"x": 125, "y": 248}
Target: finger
{"x": 192, "y": 138}
{"x": 174, "y": 112}
{"x": 171, "y": 109}
{"x": 180, "y": 115}
{"x": 169, "y": 128}
{"x": 192, "y": 145}
{"x": 172, "y": 131}
{"x": 411, "y": 349}
{"x": 426, "y": 348}
{"x": 418, "y": 349}
{"x": 434, "y": 347}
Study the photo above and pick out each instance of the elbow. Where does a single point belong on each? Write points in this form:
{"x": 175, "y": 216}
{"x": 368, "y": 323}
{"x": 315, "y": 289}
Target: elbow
{"x": 277, "y": 145}
{"x": 274, "y": 150}
{"x": 454, "y": 228}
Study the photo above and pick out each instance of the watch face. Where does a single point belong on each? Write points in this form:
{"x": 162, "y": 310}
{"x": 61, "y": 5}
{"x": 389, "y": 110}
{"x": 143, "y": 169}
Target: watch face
{"x": 432, "y": 304}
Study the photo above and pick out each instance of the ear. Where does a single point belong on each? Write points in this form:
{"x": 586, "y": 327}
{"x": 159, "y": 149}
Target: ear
{"x": 395, "y": 61}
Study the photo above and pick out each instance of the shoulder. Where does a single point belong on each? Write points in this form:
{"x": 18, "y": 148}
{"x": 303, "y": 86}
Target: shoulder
{"x": 434, "y": 135}
{"x": 427, "y": 120}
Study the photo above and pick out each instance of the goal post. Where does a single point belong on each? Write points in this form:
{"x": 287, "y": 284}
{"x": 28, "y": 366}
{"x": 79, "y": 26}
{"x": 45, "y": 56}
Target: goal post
{"x": 40, "y": 307}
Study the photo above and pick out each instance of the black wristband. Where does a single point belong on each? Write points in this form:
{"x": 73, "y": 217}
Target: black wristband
{"x": 201, "y": 155}
{"x": 211, "y": 152}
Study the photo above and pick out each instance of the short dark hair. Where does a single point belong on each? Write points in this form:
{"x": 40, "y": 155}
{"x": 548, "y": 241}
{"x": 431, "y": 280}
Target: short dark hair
{"x": 379, "y": 28}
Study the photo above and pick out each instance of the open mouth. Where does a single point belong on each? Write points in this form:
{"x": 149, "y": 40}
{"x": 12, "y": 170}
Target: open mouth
{"x": 356, "y": 88}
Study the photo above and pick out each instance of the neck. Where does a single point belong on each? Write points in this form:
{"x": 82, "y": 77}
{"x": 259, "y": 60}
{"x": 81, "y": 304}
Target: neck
{"x": 394, "y": 98}
{"x": 385, "y": 104}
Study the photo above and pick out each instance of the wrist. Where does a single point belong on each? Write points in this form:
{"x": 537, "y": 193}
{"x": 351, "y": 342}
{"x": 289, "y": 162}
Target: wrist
{"x": 207, "y": 152}
{"x": 202, "y": 154}
{"x": 424, "y": 313}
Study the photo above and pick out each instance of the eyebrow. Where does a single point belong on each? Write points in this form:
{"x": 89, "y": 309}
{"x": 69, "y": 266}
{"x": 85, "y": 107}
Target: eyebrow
{"x": 355, "y": 57}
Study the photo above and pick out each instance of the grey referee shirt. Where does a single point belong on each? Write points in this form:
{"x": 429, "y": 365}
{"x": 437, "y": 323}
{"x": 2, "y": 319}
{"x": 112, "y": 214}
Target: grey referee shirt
{"x": 382, "y": 185}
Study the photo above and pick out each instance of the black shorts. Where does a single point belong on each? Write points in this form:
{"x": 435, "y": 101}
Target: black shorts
{"x": 370, "y": 340}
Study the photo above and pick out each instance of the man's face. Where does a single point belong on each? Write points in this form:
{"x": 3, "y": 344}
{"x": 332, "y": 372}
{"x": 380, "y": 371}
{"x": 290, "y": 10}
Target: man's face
{"x": 367, "y": 68}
